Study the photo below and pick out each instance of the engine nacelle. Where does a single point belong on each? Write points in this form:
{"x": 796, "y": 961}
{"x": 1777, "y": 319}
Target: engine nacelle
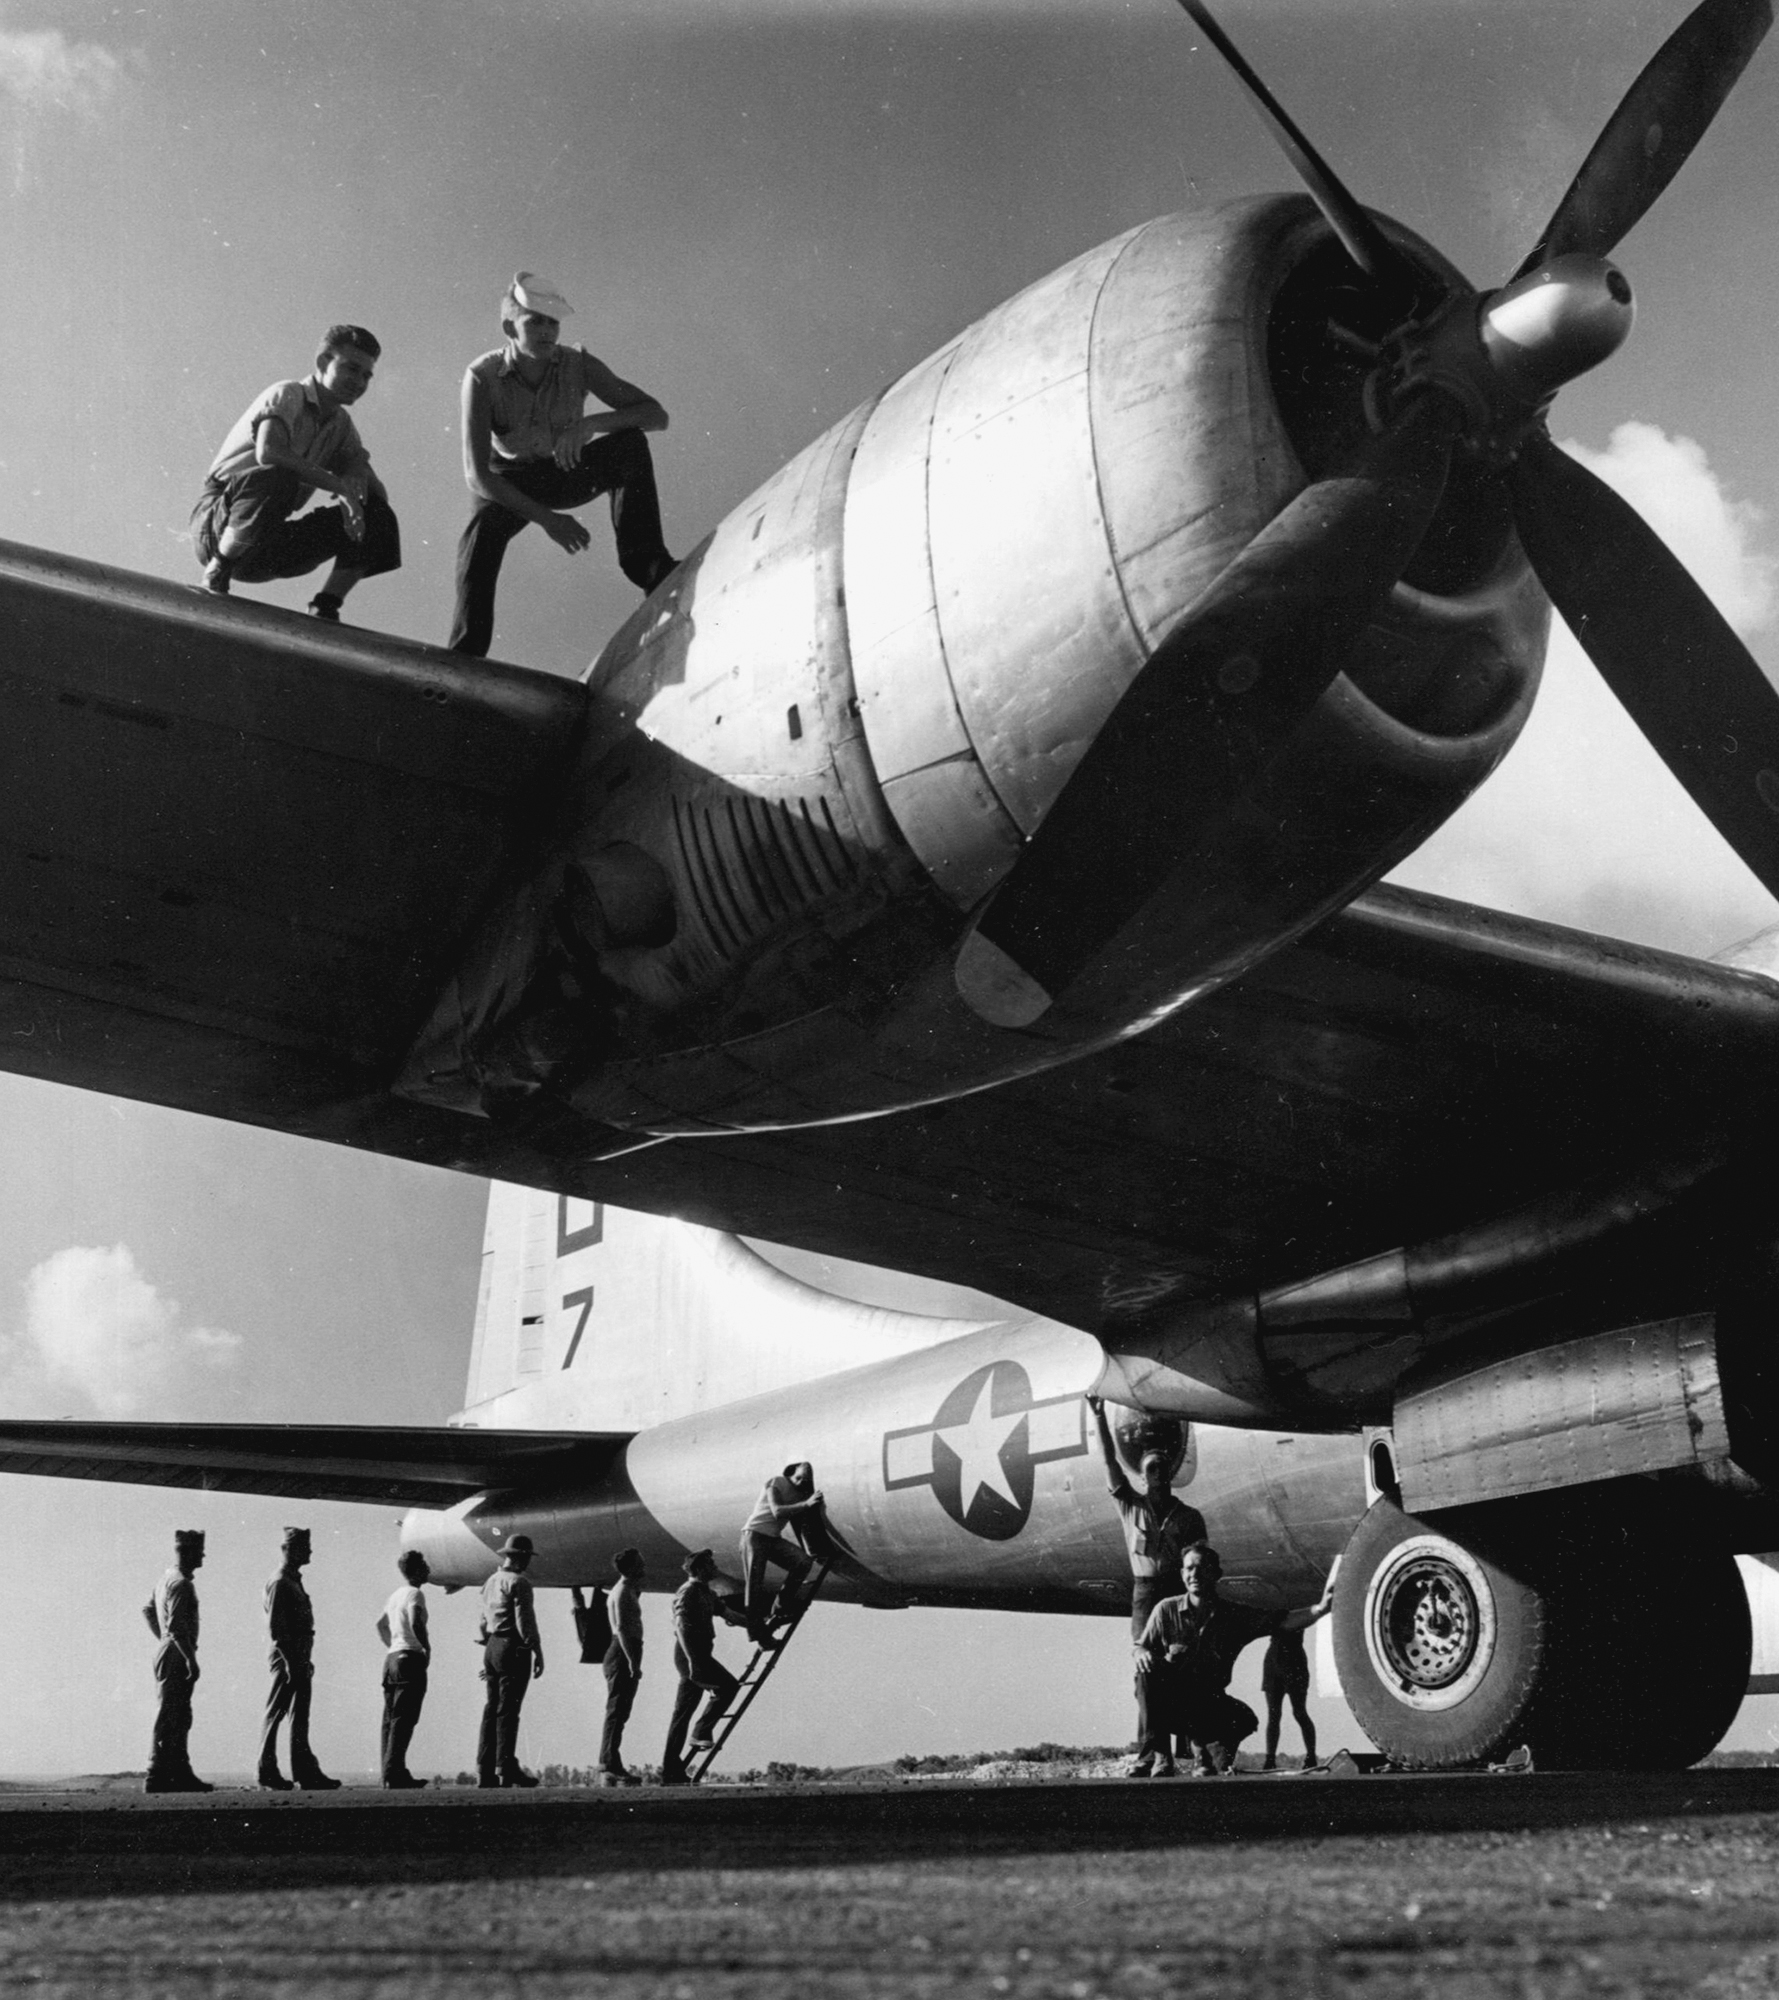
{"x": 817, "y": 750}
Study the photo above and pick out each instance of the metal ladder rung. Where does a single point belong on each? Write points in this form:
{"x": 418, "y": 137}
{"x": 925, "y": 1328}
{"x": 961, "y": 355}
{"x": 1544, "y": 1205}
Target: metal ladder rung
{"x": 754, "y": 1676}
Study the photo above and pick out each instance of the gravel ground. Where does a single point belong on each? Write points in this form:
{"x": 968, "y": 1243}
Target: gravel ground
{"x": 1536, "y": 1887}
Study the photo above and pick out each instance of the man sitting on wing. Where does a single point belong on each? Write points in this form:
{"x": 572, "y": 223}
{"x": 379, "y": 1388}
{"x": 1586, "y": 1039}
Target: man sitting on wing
{"x": 1189, "y": 1650}
{"x": 532, "y": 450}
{"x": 293, "y": 439}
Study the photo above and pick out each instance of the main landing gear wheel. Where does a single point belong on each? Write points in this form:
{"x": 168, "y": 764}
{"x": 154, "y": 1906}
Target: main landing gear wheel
{"x": 1549, "y": 1622}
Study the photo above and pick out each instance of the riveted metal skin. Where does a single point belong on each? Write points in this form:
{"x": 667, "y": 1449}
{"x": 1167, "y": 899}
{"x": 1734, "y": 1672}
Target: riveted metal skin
{"x": 956, "y": 1456}
{"x": 965, "y": 1474}
{"x": 833, "y": 728}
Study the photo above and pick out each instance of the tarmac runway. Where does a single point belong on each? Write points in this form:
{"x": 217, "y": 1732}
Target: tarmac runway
{"x": 1538, "y": 1887}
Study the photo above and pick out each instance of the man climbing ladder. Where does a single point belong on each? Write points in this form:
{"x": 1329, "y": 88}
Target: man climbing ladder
{"x": 754, "y": 1677}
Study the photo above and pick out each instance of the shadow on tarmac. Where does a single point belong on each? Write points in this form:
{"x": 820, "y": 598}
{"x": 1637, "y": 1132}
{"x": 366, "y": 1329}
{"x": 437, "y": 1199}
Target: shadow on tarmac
{"x": 55, "y": 1846}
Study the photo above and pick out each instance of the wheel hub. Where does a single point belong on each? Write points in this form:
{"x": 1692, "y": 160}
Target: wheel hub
{"x": 1430, "y": 1623}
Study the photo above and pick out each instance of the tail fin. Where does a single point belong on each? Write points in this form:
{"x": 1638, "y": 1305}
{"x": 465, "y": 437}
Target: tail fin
{"x": 598, "y": 1318}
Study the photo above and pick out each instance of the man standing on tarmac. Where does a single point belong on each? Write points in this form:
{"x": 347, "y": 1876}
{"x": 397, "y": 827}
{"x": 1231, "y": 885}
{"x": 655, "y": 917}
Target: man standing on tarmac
{"x": 1158, "y": 1529}
{"x": 290, "y": 1622}
{"x": 402, "y": 1627}
{"x": 696, "y": 1608}
{"x": 788, "y": 1500}
{"x": 512, "y": 1658}
{"x": 293, "y": 438}
{"x": 623, "y": 1665}
{"x": 1189, "y": 1650}
{"x": 172, "y": 1615}
{"x": 529, "y": 453}
{"x": 1285, "y": 1676}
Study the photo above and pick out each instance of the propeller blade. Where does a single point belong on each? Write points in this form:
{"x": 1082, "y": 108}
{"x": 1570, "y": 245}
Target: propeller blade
{"x": 1660, "y": 644}
{"x": 1361, "y": 237}
{"x": 1648, "y": 139}
{"x": 1246, "y": 663}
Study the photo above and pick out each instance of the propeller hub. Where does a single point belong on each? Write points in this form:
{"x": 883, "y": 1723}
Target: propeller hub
{"x": 1554, "y": 324}
{"x": 1501, "y": 356}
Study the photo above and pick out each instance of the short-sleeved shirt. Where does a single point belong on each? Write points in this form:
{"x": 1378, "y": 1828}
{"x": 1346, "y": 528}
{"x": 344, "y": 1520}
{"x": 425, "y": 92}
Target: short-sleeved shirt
{"x": 290, "y": 1617}
{"x": 1213, "y": 1635}
{"x": 695, "y": 1619}
{"x": 406, "y": 1615}
{"x": 506, "y": 1606}
{"x": 525, "y": 422}
{"x": 623, "y": 1606}
{"x": 176, "y": 1610}
{"x": 1156, "y": 1537}
{"x": 777, "y": 1492}
{"x": 329, "y": 443}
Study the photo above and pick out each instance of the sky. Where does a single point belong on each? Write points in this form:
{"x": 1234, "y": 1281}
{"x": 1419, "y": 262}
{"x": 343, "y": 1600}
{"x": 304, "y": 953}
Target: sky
{"x": 765, "y": 210}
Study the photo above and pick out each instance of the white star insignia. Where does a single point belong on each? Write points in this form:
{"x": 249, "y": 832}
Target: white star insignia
{"x": 978, "y": 1442}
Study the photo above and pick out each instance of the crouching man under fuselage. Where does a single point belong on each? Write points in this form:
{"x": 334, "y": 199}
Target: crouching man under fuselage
{"x": 1188, "y": 1650}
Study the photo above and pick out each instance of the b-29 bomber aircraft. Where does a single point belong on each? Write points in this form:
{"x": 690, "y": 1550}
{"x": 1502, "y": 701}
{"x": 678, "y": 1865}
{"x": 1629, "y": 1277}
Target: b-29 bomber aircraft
{"x": 967, "y": 863}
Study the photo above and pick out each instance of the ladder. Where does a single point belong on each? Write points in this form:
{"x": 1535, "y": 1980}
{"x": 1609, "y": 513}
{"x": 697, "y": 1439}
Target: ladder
{"x": 758, "y": 1672}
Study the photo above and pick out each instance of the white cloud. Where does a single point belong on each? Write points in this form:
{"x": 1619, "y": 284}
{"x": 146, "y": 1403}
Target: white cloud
{"x": 101, "y": 1336}
{"x": 1670, "y": 484}
{"x": 44, "y": 71}
{"x": 1583, "y": 823}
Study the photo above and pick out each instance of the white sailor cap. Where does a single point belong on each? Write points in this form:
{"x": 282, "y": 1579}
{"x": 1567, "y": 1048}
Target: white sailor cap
{"x": 536, "y": 294}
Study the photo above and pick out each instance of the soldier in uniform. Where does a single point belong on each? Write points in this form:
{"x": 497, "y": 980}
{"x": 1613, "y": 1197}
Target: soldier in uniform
{"x": 623, "y": 1665}
{"x": 696, "y": 1608}
{"x": 172, "y": 1615}
{"x": 1189, "y": 1649}
{"x": 290, "y": 1621}
{"x": 402, "y": 1627}
{"x": 788, "y": 1502}
{"x": 1158, "y": 1528}
{"x": 512, "y": 1658}
{"x": 532, "y": 451}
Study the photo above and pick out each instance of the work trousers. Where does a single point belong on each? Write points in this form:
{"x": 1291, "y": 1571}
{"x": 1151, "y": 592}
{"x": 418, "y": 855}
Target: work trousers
{"x": 619, "y": 464}
{"x": 1145, "y": 1593}
{"x": 506, "y": 1668}
{"x": 757, "y": 1551}
{"x": 1213, "y": 1724}
{"x": 696, "y": 1677}
{"x": 169, "y": 1757}
{"x": 404, "y": 1694}
{"x": 620, "y": 1698}
{"x": 293, "y": 1682}
{"x": 254, "y": 511}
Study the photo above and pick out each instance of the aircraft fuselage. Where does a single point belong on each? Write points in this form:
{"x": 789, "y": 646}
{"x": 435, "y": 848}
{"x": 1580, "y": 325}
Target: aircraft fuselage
{"x": 967, "y": 1473}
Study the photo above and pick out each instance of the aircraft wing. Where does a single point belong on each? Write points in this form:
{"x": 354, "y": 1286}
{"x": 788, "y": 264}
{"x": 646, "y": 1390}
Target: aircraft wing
{"x": 243, "y": 849}
{"x": 389, "y": 1467}
{"x": 1411, "y": 1067}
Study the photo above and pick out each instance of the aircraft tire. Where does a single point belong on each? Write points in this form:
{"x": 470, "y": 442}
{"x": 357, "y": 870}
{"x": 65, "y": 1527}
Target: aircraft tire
{"x": 1440, "y": 1649}
{"x": 1549, "y": 1622}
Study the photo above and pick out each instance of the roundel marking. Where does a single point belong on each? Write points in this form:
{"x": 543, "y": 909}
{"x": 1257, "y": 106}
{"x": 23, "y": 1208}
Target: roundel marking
{"x": 980, "y": 1452}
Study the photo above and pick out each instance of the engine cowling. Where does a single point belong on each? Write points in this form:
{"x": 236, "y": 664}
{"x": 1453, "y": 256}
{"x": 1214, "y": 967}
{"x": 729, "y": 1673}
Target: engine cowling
{"x": 829, "y": 734}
